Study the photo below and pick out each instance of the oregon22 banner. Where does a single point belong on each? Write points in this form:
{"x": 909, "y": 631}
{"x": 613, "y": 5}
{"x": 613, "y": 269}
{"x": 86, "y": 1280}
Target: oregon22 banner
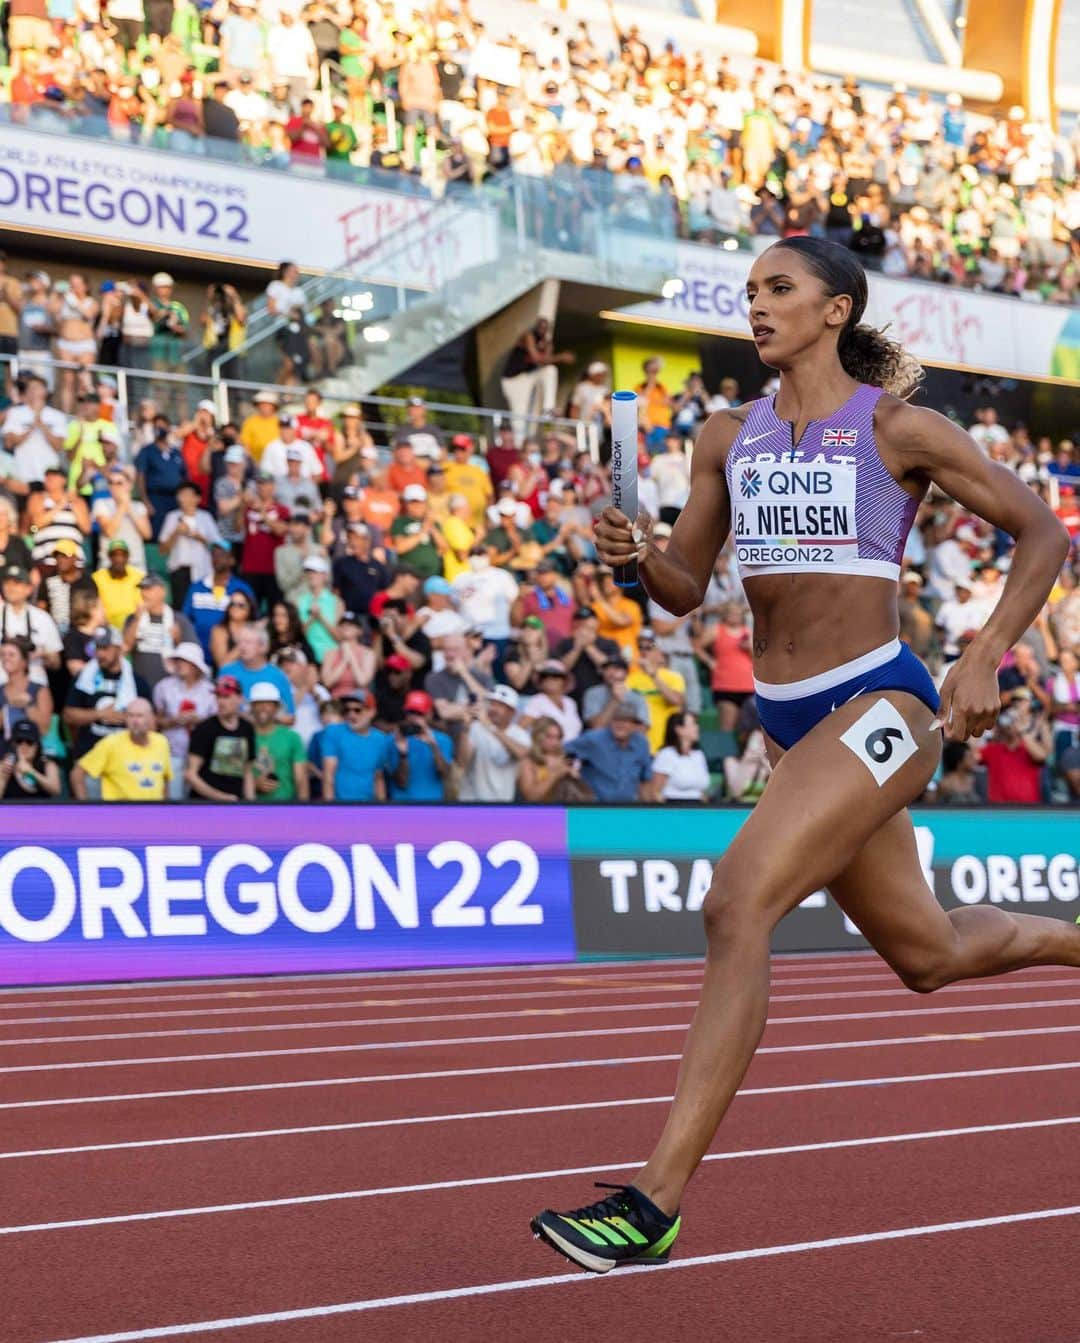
{"x": 126, "y": 892}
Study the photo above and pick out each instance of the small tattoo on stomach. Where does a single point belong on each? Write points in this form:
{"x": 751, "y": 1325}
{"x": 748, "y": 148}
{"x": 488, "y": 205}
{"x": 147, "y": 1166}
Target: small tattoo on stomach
{"x": 760, "y": 645}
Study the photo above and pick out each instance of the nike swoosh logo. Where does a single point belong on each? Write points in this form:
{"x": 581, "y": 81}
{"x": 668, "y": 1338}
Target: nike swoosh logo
{"x": 858, "y": 692}
{"x": 767, "y": 434}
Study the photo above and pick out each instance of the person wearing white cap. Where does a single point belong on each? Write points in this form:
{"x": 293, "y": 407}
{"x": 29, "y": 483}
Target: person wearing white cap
{"x": 229, "y": 494}
{"x": 181, "y": 700}
{"x": 281, "y": 770}
{"x": 276, "y": 456}
{"x": 491, "y": 748}
{"x": 319, "y": 607}
{"x": 588, "y": 400}
{"x": 171, "y": 320}
{"x": 416, "y": 541}
{"x": 261, "y": 427}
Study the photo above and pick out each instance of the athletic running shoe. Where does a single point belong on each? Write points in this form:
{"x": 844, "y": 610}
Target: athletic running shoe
{"x": 624, "y": 1228}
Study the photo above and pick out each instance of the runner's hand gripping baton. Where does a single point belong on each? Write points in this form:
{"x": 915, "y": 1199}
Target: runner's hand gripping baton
{"x": 624, "y": 447}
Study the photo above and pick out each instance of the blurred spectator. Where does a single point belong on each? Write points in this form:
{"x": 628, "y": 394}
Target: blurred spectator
{"x": 530, "y": 378}
{"x": 22, "y": 699}
{"x": 429, "y": 753}
{"x": 549, "y": 601}
{"x": 618, "y": 615}
{"x": 547, "y": 773}
{"x": 600, "y": 701}
{"x": 319, "y": 607}
{"x": 266, "y": 523}
{"x": 160, "y": 471}
{"x": 553, "y": 701}
{"x": 351, "y": 665}
{"x": 663, "y": 690}
{"x": 55, "y": 514}
{"x": 183, "y": 699}
{"x": 250, "y": 667}
{"x": 585, "y": 654}
{"x": 357, "y": 757}
{"x": 33, "y": 432}
{"x": 916, "y": 622}
{"x": 185, "y": 538}
{"x": 727, "y": 655}
{"x": 14, "y": 551}
{"x": 491, "y": 748}
{"x": 118, "y": 585}
{"x": 680, "y": 770}
{"x": 133, "y": 765}
{"x": 262, "y": 427}
{"x": 101, "y": 692}
{"x": 221, "y": 757}
{"x": 616, "y": 762}
{"x": 427, "y": 440}
{"x": 746, "y": 775}
{"x": 280, "y": 769}
{"x": 26, "y": 774}
{"x": 209, "y": 603}
{"x": 153, "y": 631}
{"x": 19, "y": 619}
{"x": 958, "y": 784}
{"x": 119, "y": 516}
{"x": 1015, "y": 754}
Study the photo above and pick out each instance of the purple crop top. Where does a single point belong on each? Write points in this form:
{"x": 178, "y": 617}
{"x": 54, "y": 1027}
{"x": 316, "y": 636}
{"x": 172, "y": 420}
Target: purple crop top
{"x": 827, "y": 506}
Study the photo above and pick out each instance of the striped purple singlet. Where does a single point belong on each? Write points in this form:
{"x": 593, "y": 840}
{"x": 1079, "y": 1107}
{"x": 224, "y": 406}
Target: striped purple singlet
{"x": 828, "y": 505}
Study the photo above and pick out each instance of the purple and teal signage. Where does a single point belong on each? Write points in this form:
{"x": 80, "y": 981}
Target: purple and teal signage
{"x": 126, "y": 892}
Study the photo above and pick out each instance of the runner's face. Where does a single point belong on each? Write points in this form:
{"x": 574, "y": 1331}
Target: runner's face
{"x": 789, "y": 311}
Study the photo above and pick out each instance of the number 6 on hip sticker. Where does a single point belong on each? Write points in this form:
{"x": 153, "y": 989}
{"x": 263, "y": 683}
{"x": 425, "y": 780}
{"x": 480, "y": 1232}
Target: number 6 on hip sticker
{"x": 881, "y": 739}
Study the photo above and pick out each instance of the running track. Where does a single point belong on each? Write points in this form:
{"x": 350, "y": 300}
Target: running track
{"x": 356, "y": 1157}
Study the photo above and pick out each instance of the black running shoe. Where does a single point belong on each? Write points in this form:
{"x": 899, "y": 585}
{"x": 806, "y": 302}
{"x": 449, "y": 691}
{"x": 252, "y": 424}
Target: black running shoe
{"x": 624, "y": 1228}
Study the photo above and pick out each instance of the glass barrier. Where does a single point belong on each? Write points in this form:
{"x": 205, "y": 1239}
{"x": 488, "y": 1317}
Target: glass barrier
{"x": 137, "y": 394}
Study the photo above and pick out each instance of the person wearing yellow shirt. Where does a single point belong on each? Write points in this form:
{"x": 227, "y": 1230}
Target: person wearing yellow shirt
{"x": 83, "y": 439}
{"x": 664, "y": 691}
{"x": 133, "y": 765}
{"x": 460, "y": 537}
{"x": 118, "y": 585}
{"x": 464, "y": 476}
{"x": 619, "y": 616}
{"x": 260, "y": 429}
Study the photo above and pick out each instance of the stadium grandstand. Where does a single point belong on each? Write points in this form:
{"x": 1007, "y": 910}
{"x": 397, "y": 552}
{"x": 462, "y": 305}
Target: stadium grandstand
{"x": 309, "y": 320}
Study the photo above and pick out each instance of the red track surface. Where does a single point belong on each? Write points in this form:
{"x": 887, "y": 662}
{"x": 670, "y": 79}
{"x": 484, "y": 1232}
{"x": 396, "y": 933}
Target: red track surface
{"x": 388, "y": 1137}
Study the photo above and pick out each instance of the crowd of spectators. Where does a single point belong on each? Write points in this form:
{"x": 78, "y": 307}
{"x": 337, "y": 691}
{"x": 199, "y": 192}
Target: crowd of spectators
{"x": 285, "y": 608}
{"x": 711, "y": 147}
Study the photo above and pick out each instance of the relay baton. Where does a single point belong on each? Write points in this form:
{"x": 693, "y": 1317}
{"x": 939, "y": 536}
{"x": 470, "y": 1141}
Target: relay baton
{"x": 624, "y": 450}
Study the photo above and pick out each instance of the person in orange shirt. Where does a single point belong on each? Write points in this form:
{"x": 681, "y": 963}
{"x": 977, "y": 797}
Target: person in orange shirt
{"x": 405, "y": 469}
{"x": 619, "y": 616}
{"x": 379, "y": 506}
{"x": 657, "y": 403}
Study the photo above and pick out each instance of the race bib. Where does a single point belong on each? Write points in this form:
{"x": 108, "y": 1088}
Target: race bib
{"x": 794, "y": 514}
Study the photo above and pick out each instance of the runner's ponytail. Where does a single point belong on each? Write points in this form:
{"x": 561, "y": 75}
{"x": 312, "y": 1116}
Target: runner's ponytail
{"x": 865, "y": 353}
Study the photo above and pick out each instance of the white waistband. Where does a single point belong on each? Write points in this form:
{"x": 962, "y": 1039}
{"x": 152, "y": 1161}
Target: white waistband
{"x": 861, "y": 568}
{"x": 847, "y": 671}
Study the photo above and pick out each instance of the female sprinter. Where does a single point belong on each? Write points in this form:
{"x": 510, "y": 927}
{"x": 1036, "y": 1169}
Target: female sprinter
{"x": 819, "y": 485}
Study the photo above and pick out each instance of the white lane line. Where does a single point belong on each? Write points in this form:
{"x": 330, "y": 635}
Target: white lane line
{"x": 1072, "y": 982}
{"x": 456, "y": 1041}
{"x": 405, "y": 1121}
{"x": 780, "y": 960}
{"x": 677, "y": 976}
{"x": 576, "y": 1279}
{"x": 555, "y": 1065}
{"x": 439, "y": 1186}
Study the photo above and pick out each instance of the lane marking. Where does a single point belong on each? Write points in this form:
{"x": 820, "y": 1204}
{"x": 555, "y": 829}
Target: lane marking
{"x": 571, "y": 1279}
{"x": 1073, "y": 981}
{"x": 436, "y": 1186}
{"x": 456, "y": 1041}
{"x": 405, "y": 1121}
{"x": 615, "y": 983}
{"x": 555, "y": 1065}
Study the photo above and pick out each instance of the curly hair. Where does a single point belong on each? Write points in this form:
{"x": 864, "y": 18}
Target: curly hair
{"x": 865, "y": 352}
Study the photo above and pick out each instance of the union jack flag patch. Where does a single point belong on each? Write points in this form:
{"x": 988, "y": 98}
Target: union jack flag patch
{"x": 839, "y": 438}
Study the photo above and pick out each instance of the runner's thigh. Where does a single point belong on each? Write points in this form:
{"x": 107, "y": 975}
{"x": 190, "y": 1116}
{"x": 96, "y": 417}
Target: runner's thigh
{"x": 827, "y": 796}
{"x": 884, "y": 892}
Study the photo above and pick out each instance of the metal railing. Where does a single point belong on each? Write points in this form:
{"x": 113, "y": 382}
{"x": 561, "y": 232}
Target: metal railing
{"x": 177, "y": 394}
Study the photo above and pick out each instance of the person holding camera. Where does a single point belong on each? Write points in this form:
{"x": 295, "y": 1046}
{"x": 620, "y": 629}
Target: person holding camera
{"x": 224, "y": 327}
{"x": 26, "y": 775}
{"x": 1016, "y": 753}
{"x": 429, "y": 753}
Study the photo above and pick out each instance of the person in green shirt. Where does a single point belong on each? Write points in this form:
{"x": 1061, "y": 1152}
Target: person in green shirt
{"x": 281, "y": 771}
{"x": 341, "y": 138}
{"x": 83, "y": 440}
{"x": 413, "y": 534}
{"x": 171, "y": 321}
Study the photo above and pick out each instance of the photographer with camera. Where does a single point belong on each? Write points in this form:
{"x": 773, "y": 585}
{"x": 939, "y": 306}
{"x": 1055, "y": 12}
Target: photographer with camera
{"x": 1016, "y": 753}
{"x": 429, "y": 753}
{"x": 224, "y": 324}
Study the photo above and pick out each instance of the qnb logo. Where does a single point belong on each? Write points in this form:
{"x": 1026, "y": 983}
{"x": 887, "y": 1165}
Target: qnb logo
{"x": 751, "y": 482}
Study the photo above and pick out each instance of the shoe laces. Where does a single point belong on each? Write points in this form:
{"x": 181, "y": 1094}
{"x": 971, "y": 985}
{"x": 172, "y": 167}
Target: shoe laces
{"x": 621, "y": 1201}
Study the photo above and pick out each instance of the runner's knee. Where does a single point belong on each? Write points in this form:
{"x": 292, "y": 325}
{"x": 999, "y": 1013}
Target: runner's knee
{"x": 733, "y": 909}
